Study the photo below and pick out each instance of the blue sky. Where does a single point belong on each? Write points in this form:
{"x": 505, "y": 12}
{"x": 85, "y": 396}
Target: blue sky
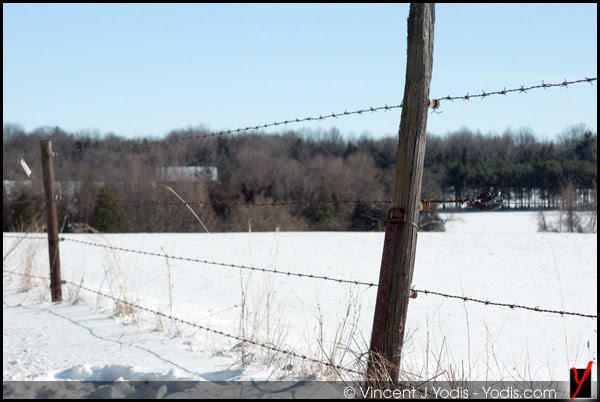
{"x": 143, "y": 70}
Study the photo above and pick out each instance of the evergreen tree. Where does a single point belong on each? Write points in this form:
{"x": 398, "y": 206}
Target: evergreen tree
{"x": 108, "y": 216}
{"x": 6, "y": 213}
{"x": 366, "y": 218}
{"x": 23, "y": 211}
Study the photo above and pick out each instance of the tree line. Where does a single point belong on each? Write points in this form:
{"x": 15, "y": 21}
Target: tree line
{"x": 114, "y": 184}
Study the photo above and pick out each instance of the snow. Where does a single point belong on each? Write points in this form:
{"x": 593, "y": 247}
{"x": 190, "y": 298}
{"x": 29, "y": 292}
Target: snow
{"x": 38, "y": 336}
{"x": 498, "y": 256}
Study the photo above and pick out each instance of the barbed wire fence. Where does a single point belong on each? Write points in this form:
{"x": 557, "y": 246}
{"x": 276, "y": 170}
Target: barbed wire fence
{"x": 414, "y": 295}
{"x": 434, "y": 104}
{"x": 284, "y": 351}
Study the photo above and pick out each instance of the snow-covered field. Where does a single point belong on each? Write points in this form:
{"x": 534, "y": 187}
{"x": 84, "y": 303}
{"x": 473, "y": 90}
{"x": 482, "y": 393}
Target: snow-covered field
{"x": 496, "y": 256}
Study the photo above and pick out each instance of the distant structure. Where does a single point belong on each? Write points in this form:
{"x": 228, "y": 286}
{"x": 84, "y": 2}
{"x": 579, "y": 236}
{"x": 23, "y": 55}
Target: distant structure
{"x": 64, "y": 188}
{"x": 13, "y": 186}
{"x": 187, "y": 173}
{"x": 165, "y": 174}
{"x": 72, "y": 188}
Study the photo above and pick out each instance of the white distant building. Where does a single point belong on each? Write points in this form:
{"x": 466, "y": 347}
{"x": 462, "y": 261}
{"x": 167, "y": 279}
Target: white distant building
{"x": 71, "y": 188}
{"x": 187, "y": 173}
{"x": 65, "y": 188}
{"x": 11, "y": 186}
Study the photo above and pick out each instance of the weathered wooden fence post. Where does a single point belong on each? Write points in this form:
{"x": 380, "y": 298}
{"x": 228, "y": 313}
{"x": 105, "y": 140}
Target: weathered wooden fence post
{"x": 400, "y": 243}
{"x": 51, "y": 220}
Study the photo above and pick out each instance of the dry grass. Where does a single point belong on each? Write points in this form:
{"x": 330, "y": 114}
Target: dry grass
{"x": 27, "y": 265}
{"x": 26, "y": 282}
{"x": 188, "y": 207}
{"x": 23, "y": 257}
{"x": 262, "y": 321}
{"x": 341, "y": 349}
{"x": 163, "y": 325}
{"x": 74, "y": 293}
{"x": 119, "y": 285}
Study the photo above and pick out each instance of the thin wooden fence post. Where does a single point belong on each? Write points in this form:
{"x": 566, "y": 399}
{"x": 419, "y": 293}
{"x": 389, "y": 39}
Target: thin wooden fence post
{"x": 400, "y": 242}
{"x": 51, "y": 220}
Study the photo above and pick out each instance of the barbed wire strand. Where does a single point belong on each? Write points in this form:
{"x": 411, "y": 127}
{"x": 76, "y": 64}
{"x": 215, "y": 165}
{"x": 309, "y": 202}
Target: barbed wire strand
{"x": 222, "y": 264}
{"x": 425, "y": 291}
{"x": 512, "y": 306}
{"x": 201, "y": 327}
{"x": 255, "y": 204}
{"x": 435, "y": 103}
{"x": 521, "y": 89}
{"x": 24, "y": 237}
{"x": 6, "y": 271}
{"x": 335, "y": 202}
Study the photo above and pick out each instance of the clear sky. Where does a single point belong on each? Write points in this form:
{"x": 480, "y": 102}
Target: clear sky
{"x": 143, "y": 70}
